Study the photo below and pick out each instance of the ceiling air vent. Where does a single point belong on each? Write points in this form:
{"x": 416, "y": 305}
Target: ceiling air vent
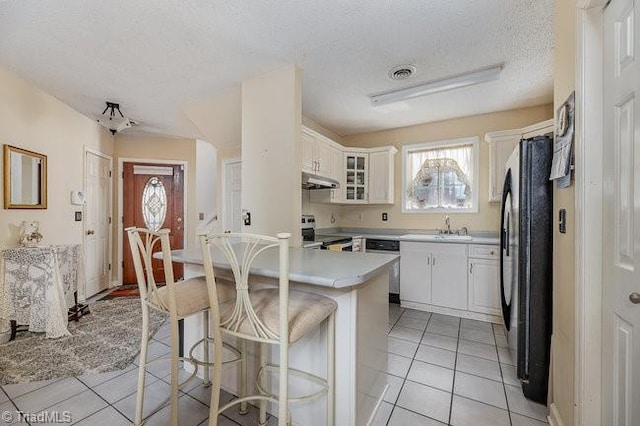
{"x": 401, "y": 72}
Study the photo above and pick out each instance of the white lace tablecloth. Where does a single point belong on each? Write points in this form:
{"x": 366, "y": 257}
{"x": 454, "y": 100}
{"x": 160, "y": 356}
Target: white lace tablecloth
{"x": 37, "y": 286}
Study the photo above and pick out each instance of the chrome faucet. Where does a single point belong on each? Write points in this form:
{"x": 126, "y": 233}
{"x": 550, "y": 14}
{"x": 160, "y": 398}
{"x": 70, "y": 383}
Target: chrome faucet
{"x": 447, "y": 223}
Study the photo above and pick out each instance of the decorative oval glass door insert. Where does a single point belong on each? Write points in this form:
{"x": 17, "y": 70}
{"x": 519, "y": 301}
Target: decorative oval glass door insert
{"x": 154, "y": 204}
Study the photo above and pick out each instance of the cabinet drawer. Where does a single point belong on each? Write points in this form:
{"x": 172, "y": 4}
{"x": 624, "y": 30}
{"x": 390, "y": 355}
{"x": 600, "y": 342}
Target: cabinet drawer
{"x": 482, "y": 251}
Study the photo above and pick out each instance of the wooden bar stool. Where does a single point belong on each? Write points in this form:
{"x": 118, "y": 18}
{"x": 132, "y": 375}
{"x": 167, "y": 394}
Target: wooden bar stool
{"x": 256, "y": 315}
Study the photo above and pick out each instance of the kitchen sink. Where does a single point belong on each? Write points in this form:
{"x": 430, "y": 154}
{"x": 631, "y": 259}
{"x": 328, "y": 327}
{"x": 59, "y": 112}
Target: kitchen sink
{"x": 426, "y": 237}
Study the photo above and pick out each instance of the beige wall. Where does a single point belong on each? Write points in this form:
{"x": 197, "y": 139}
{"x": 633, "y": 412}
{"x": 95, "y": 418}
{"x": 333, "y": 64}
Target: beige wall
{"x": 564, "y": 244}
{"x": 162, "y": 148}
{"x": 487, "y": 218}
{"x": 34, "y": 120}
{"x": 271, "y": 160}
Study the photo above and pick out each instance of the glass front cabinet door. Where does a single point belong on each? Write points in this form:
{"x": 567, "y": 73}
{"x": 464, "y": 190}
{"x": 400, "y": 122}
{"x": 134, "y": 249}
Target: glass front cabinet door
{"x": 356, "y": 179}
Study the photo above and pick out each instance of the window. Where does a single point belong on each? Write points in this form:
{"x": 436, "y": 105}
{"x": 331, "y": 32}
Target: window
{"x": 440, "y": 176}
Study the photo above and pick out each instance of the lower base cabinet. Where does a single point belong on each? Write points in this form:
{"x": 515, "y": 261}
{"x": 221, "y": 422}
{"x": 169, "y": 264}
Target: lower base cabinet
{"x": 451, "y": 278}
{"x": 434, "y": 273}
{"x": 484, "y": 286}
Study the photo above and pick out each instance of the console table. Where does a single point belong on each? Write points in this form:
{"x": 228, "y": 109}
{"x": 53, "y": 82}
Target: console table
{"x": 38, "y": 286}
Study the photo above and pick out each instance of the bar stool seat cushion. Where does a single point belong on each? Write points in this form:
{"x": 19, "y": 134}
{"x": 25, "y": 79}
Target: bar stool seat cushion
{"x": 192, "y": 295}
{"x": 306, "y": 311}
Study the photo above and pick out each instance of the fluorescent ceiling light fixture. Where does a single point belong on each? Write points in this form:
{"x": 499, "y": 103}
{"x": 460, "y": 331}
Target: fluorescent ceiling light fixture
{"x": 482, "y": 75}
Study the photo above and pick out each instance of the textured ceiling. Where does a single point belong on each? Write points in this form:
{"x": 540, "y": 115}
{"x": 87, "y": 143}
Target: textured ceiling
{"x": 162, "y": 60}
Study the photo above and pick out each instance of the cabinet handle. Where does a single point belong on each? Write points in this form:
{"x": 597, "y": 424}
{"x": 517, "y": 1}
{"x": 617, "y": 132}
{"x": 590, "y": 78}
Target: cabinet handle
{"x": 471, "y": 268}
{"x": 433, "y": 262}
{"x": 429, "y": 260}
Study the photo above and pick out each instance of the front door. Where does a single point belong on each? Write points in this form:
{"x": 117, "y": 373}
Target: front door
{"x": 153, "y": 197}
{"x": 97, "y": 244}
{"x": 621, "y": 251}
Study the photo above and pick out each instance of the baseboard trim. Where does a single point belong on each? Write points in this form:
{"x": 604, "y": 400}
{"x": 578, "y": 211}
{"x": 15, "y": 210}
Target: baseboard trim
{"x": 554, "y": 416}
{"x": 450, "y": 311}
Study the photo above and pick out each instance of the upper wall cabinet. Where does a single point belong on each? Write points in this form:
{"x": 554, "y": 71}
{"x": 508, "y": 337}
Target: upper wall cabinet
{"x": 356, "y": 182}
{"x": 316, "y": 153}
{"x": 366, "y": 176}
{"x": 382, "y": 175}
{"x": 501, "y": 145}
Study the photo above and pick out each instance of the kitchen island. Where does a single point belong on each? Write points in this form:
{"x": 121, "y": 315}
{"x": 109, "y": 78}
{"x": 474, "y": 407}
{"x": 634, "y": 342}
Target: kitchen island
{"x": 359, "y": 283}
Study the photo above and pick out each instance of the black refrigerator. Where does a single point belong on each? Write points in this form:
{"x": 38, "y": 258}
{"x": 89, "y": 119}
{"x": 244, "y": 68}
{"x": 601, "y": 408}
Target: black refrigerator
{"x": 526, "y": 242}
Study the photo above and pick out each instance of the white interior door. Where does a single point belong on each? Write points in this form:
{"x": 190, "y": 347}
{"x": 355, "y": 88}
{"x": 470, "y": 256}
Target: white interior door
{"x": 97, "y": 240}
{"x": 621, "y": 258}
{"x": 232, "y": 200}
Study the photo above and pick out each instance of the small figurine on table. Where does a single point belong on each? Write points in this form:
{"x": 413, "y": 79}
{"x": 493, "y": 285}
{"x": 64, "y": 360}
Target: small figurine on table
{"x": 31, "y": 235}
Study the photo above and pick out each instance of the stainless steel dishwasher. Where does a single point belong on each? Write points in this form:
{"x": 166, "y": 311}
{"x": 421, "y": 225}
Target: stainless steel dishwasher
{"x": 374, "y": 245}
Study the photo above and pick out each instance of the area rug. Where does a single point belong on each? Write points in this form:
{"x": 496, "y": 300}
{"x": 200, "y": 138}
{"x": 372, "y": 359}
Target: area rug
{"x": 126, "y": 290}
{"x": 106, "y": 340}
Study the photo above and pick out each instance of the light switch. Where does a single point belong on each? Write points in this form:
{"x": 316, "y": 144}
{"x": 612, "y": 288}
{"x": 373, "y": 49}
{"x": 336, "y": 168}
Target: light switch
{"x": 562, "y": 221}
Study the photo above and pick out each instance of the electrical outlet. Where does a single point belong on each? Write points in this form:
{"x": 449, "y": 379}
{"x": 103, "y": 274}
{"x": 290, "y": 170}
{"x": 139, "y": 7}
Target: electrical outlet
{"x": 385, "y": 217}
{"x": 247, "y": 218}
{"x": 200, "y": 216}
{"x": 78, "y": 216}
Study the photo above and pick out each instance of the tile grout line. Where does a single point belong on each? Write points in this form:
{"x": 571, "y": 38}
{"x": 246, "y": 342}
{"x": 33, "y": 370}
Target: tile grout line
{"x": 504, "y": 389}
{"x": 455, "y": 365}
{"x": 404, "y": 380}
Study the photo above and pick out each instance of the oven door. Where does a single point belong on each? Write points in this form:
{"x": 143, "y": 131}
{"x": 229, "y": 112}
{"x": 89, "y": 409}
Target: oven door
{"x": 340, "y": 246}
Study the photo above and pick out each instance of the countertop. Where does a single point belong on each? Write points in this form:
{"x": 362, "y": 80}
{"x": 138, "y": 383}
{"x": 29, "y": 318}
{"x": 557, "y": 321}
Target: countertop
{"x": 317, "y": 267}
{"x": 481, "y": 237}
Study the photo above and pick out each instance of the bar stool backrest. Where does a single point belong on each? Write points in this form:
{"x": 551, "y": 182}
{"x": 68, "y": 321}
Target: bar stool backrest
{"x": 241, "y": 251}
{"x": 142, "y": 242}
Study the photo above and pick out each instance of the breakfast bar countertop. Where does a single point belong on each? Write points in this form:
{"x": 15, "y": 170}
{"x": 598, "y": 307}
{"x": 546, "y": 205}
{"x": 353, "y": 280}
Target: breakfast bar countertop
{"x": 316, "y": 267}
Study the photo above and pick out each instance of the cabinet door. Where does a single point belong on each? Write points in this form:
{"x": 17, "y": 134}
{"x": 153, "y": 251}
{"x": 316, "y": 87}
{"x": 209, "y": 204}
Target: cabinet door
{"x": 449, "y": 275}
{"x": 337, "y": 173}
{"x": 499, "y": 153}
{"x": 323, "y": 158}
{"x": 308, "y": 152}
{"x": 379, "y": 175}
{"x": 355, "y": 180}
{"x": 415, "y": 272}
{"x": 484, "y": 286}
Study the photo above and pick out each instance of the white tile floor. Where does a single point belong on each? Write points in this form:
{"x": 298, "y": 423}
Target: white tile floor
{"x": 442, "y": 370}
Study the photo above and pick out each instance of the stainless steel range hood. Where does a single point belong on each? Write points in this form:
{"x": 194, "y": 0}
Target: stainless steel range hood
{"x": 311, "y": 181}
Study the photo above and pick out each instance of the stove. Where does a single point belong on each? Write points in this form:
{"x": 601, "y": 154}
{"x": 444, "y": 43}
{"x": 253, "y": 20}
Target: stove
{"x": 328, "y": 242}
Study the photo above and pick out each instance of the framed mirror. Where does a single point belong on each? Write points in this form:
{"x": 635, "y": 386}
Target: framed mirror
{"x": 25, "y": 179}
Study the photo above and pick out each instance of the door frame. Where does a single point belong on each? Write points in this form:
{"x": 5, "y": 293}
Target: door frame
{"x": 120, "y": 172}
{"x": 588, "y": 204}
{"x": 89, "y": 150}
{"x": 225, "y": 195}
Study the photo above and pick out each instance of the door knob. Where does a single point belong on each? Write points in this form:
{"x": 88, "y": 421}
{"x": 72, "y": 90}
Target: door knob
{"x": 635, "y": 298}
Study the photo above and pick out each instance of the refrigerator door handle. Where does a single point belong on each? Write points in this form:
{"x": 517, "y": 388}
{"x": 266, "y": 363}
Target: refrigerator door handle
{"x": 504, "y": 246}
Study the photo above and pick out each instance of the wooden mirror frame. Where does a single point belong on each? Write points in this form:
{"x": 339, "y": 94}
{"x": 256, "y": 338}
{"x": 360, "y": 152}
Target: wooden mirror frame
{"x": 7, "y": 150}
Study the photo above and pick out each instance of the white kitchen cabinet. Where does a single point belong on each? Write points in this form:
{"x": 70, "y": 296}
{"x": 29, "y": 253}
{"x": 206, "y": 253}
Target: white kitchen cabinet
{"x": 415, "y": 272}
{"x": 434, "y": 274}
{"x": 316, "y": 153}
{"x": 501, "y": 145}
{"x": 484, "y": 279}
{"x": 356, "y": 183}
{"x": 337, "y": 195}
{"x": 382, "y": 176}
{"x": 449, "y": 276}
